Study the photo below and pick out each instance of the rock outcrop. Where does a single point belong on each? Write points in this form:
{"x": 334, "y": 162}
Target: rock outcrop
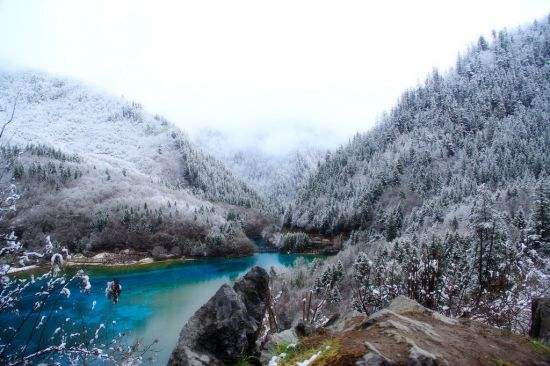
{"x": 226, "y": 327}
{"x": 407, "y": 333}
{"x": 540, "y": 319}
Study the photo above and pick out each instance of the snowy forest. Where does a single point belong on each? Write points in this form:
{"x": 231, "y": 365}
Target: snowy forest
{"x": 99, "y": 173}
{"x": 277, "y": 178}
{"x": 447, "y": 199}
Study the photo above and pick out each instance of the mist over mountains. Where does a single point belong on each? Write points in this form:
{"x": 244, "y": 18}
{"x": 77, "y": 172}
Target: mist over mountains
{"x": 276, "y": 171}
{"x": 420, "y": 236}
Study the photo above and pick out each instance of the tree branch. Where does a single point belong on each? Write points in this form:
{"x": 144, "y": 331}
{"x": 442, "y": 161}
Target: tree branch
{"x": 10, "y": 120}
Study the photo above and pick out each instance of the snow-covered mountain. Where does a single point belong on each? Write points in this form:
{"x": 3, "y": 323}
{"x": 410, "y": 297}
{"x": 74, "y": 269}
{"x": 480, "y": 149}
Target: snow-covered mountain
{"x": 97, "y": 171}
{"x": 446, "y": 200}
{"x": 276, "y": 176}
{"x": 482, "y": 126}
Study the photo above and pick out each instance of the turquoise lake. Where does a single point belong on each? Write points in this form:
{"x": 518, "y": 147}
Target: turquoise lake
{"x": 157, "y": 299}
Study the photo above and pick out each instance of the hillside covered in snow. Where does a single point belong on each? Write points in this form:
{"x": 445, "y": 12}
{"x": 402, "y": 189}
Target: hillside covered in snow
{"x": 98, "y": 172}
{"x": 482, "y": 126}
{"x": 277, "y": 177}
{"x": 445, "y": 201}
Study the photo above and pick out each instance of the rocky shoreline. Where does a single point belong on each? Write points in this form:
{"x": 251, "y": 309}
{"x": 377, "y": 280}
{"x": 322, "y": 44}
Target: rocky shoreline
{"x": 128, "y": 257}
{"x": 236, "y": 327}
{"x": 122, "y": 258}
{"x": 227, "y": 327}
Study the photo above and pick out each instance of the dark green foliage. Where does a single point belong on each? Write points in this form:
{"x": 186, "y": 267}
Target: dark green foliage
{"x": 393, "y": 222}
{"x": 53, "y": 153}
{"x": 101, "y": 219}
{"x": 541, "y": 212}
{"x": 232, "y": 216}
{"x": 294, "y": 242}
{"x": 37, "y": 164}
{"x": 327, "y": 285}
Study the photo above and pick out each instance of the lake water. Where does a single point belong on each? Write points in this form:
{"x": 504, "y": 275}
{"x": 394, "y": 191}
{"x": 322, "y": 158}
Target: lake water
{"x": 156, "y": 300}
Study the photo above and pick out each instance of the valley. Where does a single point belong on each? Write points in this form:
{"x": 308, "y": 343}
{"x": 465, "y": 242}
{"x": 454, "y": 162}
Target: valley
{"x": 128, "y": 240}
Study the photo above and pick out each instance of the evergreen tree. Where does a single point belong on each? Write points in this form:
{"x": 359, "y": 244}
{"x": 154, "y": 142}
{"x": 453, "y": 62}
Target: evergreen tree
{"x": 540, "y": 217}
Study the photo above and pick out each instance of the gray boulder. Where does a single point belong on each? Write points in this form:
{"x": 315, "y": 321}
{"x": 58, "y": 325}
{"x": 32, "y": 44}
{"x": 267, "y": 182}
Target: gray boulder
{"x": 540, "y": 319}
{"x": 254, "y": 291}
{"x": 226, "y": 327}
{"x": 374, "y": 359}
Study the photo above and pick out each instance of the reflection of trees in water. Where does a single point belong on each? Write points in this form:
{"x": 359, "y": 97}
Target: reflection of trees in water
{"x": 288, "y": 260}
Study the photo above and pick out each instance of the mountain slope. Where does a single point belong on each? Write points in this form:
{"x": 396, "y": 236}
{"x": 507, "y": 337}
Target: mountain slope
{"x": 99, "y": 172}
{"x": 484, "y": 123}
{"x": 276, "y": 177}
{"x": 446, "y": 201}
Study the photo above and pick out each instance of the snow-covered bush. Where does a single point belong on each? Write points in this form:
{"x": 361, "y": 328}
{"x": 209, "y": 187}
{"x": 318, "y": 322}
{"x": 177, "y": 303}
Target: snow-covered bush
{"x": 33, "y": 333}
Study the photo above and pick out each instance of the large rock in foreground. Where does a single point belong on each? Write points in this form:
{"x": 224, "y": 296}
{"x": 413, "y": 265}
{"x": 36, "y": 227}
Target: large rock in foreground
{"x": 226, "y": 327}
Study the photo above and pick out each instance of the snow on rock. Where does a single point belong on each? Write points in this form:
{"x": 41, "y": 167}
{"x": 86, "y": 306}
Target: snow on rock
{"x": 21, "y": 269}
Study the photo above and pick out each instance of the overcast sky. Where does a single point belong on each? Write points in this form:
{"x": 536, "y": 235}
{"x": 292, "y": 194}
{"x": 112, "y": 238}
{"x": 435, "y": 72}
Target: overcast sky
{"x": 253, "y": 66}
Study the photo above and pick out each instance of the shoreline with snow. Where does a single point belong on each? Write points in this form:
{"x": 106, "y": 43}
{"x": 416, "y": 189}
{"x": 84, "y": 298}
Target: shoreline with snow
{"x": 72, "y": 264}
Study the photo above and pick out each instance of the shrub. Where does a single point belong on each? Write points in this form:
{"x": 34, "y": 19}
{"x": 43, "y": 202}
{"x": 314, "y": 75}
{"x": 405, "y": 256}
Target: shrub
{"x": 295, "y": 242}
{"x": 158, "y": 251}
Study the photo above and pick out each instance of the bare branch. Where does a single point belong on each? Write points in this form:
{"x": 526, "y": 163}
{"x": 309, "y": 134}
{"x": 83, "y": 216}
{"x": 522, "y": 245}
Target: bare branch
{"x": 10, "y": 120}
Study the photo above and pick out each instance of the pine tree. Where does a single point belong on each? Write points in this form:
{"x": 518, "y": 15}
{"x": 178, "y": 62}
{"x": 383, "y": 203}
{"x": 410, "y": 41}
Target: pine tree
{"x": 484, "y": 219}
{"x": 540, "y": 219}
{"x": 519, "y": 220}
{"x": 482, "y": 43}
{"x": 363, "y": 287}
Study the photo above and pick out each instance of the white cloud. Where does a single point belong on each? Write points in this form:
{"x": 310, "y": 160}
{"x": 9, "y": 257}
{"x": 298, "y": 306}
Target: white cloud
{"x": 253, "y": 65}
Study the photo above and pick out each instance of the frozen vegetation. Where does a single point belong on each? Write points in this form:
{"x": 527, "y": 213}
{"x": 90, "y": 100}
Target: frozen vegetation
{"x": 99, "y": 173}
{"x": 277, "y": 177}
{"x": 483, "y": 123}
{"x": 446, "y": 200}
{"x": 28, "y": 305}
